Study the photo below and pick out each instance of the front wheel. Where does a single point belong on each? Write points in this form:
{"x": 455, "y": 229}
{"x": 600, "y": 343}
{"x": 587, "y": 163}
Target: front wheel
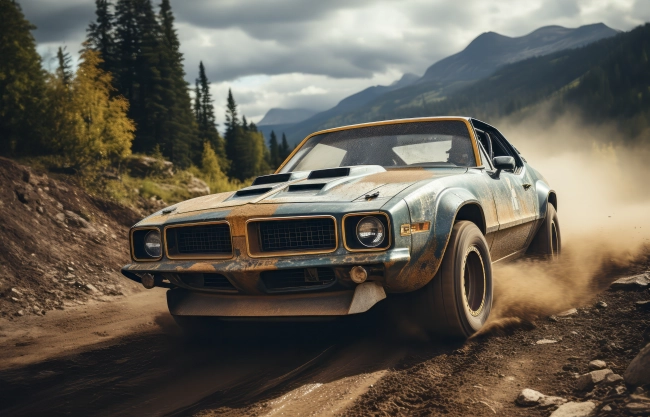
{"x": 456, "y": 303}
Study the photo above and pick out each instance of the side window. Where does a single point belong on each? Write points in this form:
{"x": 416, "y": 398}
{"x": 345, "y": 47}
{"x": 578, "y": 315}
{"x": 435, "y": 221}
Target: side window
{"x": 485, "y": 159}
{"x": 502, "y": 147}
{"x": 497, "y": 147}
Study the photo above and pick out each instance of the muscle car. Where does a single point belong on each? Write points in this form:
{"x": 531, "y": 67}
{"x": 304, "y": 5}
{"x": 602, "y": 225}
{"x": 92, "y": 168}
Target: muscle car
{"x": 354, "y": 215}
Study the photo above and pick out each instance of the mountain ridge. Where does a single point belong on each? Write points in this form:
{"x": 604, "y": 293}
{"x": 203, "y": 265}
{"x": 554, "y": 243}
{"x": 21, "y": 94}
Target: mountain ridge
{"x": 483, "y": 56}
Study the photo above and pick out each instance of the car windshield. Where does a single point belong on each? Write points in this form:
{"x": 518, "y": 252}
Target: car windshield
{"x": 436, "y": 143}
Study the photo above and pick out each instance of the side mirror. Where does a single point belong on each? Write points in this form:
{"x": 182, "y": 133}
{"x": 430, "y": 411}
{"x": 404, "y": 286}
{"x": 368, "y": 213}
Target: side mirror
{"x": 503, "y": 162}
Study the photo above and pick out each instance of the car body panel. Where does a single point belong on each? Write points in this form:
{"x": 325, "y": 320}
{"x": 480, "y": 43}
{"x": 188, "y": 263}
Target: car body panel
{"x": 509, "y": 207}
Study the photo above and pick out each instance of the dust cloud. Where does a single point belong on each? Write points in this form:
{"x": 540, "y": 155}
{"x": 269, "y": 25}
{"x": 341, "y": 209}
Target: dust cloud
{"x": 602, "y": 181}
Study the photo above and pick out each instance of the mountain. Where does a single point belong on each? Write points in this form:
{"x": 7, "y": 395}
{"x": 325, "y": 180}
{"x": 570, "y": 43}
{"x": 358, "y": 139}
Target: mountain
{"x": 481, "y": 58}
{"x": 605, "y": 81}
{"x": 278, "y": 116}
{"x": 346, "y": 105}
{"x": 490, "y": 51}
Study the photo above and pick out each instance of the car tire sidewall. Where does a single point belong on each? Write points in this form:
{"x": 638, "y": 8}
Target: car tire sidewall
{"x": 471, "y": 237}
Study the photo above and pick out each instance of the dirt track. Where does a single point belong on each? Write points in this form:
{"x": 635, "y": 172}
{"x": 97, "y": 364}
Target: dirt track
{"x": 127, "y": 358}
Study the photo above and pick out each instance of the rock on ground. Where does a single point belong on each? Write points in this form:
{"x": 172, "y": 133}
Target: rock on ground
{"x": 574, "y": 409}
{"x": 597, "y": 364}
{"x": 589, "y": 380}
{"x": 632, "y": 283}
{"x": 567, "y": 313}
{"x": 197, "y": 187}
{"x": 638, "y": 372}
{"x": 529, "y": 398}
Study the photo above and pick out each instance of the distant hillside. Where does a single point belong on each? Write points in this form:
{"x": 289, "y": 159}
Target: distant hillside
{"x": 490, "y": 51}
{"x": 345, "y": 106}
{"x": 606, "y": 80}
{"x": 482, "y": 57}
{"x": 278, "y": 116}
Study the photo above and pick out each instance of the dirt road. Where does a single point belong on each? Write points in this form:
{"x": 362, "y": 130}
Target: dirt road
{"x": 128, "y": 358}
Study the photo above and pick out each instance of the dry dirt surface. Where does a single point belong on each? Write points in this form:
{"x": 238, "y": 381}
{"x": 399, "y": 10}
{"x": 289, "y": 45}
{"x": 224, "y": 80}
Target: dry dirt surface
{"x": 127, "y": 358}
{"x": 59, "y": 246}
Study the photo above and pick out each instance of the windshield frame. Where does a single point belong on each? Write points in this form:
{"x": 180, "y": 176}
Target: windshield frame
{"x": 468, "y": 125}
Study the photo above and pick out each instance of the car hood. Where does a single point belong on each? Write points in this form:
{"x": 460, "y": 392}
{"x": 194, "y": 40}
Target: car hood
{"x": 375, "y": 182}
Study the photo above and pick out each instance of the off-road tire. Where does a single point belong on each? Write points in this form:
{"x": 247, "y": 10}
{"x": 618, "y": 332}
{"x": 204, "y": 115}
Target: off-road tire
{"x": 547, "y": 243}
{"x": 457, "y": 301}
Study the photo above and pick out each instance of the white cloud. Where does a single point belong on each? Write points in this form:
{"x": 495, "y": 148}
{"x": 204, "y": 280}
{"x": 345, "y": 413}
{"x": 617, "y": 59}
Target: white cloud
{"x": 297, "y": 53}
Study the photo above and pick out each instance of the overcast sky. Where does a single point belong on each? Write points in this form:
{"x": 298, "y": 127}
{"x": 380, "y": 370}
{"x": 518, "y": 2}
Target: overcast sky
{"x": 313, "y": 53}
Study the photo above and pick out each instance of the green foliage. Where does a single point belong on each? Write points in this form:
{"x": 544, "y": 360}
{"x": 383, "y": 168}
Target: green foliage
{"x": 212, "y": 173}
{"x": 89, "y": 130}
{"x": 22, "y": 83}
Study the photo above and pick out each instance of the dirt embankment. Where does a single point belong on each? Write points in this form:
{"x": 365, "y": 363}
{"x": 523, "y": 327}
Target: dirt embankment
{"x": 59, "y": 246}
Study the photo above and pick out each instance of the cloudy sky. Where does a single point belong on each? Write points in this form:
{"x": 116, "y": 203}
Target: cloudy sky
{"x": 313, "y": 53}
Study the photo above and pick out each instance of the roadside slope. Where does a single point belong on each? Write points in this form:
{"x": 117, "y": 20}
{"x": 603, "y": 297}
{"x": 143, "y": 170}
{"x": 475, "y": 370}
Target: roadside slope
{"x": 59, "y": 246}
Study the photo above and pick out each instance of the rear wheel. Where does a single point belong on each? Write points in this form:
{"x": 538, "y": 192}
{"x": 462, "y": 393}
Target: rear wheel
{"x": 458, "y": 300}
{"x": 548, "y": 240}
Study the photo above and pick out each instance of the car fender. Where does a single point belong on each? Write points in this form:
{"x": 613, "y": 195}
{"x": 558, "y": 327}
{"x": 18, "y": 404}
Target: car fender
{"x": 428, "y": 248}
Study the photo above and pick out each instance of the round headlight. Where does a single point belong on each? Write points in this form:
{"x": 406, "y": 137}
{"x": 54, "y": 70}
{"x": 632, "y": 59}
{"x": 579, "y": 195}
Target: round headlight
{"x": 153, "y": 244}
{"x": 371, "y": 232}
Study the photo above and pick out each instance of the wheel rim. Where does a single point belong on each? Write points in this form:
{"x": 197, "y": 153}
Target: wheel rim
{"x": 474, "y": 281}
{"x": 555, "y": 244}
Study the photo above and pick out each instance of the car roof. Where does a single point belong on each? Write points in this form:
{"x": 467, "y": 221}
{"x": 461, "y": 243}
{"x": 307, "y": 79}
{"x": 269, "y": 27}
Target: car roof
{"x": 392, "y": 121}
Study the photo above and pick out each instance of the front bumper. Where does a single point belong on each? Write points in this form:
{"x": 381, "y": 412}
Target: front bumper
{"x": 340, "y": 303}
{"x": 244, "y": 272}
{"x": 251, "y": 298}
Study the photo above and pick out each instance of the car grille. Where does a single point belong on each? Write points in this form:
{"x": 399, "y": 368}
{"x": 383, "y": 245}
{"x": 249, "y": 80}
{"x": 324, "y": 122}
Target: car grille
{"x": 298, "y": 279}
{"x": 210, "y": 239}
{"x": 217, "y": 281}
{"x": 297, "y": 235}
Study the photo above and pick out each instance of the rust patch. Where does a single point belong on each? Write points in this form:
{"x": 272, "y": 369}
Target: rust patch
{"x": 238, "y": 216}
{"x": 197, "y": 267}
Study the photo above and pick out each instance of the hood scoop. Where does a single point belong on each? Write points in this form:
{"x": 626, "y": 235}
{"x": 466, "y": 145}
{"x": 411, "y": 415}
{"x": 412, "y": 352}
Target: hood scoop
{"x": 329, "y": 173}
{"x": 247, "y": 192}
{"x": 306, "y": 187}
{"x": 272, "y": 179}
{"x": 353, "y": 171}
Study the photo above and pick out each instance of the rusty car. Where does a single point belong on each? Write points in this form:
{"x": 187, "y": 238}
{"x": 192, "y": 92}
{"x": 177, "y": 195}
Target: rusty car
{"x": 356, "y": 214}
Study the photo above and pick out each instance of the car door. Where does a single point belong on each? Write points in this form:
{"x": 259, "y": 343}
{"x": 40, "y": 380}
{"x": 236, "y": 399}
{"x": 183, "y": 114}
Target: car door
{"x": 514, "y": 199}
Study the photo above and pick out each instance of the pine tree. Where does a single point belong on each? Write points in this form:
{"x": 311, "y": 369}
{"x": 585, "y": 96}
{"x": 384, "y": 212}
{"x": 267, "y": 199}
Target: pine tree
{"x": 284, "y": 148}
{"x": 274, "y": 157}
{"x": 252, "y": 127}
{"x": 206, "y": 120}
{"x": 179, "y": 135}
{"x": 246, "y": 149}
{"x": 139, "y": 50}
{"x": 64, "y": 71}
{"x": 234, "y": 138}
{"x": 101, "y": 36}
{"x": 244, "y": 123}
{"x": 22, "y": 83}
